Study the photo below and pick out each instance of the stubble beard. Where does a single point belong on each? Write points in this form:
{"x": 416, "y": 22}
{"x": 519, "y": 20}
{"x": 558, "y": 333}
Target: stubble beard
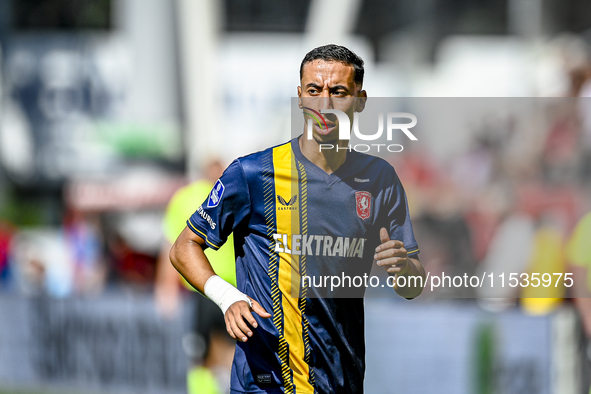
{"x": 332, "y": 142}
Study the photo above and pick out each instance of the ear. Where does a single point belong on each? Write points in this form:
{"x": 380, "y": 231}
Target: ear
{"x": 300, "y": 97}
{"x": 361, "y": 99}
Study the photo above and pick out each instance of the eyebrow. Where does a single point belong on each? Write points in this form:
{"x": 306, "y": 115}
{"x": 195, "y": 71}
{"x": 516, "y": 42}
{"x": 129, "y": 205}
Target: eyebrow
{"x": 337, "y": 87}
{"x": 332, "y": 88}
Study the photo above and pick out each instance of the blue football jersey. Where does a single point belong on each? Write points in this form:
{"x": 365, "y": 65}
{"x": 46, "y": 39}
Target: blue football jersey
{"x": 291, "y": 220}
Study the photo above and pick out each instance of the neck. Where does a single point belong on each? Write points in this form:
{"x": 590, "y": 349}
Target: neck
{"x": 329, "y": 160}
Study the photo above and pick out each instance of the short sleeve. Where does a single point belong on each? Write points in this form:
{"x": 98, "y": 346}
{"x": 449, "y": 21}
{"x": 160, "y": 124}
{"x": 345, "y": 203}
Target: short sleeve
{"x": 400, "y": 225}
{"x": 227, "y": 205}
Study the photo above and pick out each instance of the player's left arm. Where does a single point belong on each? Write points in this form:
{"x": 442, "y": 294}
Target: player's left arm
{"x": 392, "y": 255}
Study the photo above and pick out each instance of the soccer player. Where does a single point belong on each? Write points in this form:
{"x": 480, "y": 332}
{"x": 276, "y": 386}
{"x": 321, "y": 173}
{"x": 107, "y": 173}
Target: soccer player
{"x": 295, "y": 211}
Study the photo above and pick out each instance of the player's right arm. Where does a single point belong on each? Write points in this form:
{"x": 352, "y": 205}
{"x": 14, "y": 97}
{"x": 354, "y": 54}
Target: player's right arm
{"x": 227, "y": 207}
{"x": 188, "y": 258}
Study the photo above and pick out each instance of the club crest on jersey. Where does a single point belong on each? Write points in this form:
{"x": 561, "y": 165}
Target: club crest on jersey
{"x": 216, "y": 194}
{"x": 363, "y": 204}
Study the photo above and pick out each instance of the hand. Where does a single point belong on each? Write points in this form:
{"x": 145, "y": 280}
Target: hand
{"x": 238, "y": 314}
{"x": 391, "y": 254}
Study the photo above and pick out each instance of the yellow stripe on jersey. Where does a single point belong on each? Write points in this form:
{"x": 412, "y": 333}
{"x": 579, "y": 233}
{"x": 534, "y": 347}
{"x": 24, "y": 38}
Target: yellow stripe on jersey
{"x": 288, "y": 222}
{"x": 303, "y": 214}
{"x": 204, "y": 236}
{"x": 415, "y": 250}
{"x": 270, "y": 220}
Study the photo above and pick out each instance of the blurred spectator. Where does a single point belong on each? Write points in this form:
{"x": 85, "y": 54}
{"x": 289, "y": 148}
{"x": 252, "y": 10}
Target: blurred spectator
{"x": 483, "y": 216}
{"x": 509, "y": 252}
{"x": 41, "y": 262}
{"x": 547, "y": 259}
{"x": 445, "y": 237}
{"x": 574, "y": 54}
{"x": 561, "y": 146}
{"x": 7, "y": 231}
{"x": 84, "y": 243}
{"x": 130, "y": 266}
{"x": 576, "y": 59}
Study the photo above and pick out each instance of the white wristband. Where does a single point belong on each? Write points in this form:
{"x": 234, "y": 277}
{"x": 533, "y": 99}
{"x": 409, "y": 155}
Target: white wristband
{"x": 223, "y": 293}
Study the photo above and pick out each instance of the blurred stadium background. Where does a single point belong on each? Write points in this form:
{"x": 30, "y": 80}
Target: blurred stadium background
{"x": 109, "y": 106}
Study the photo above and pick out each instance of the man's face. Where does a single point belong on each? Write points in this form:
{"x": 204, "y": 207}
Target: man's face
{"x": 329, "y": 85}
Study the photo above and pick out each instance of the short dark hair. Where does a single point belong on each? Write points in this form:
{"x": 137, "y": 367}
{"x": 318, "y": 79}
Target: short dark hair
{"x": 337, "y": 53}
